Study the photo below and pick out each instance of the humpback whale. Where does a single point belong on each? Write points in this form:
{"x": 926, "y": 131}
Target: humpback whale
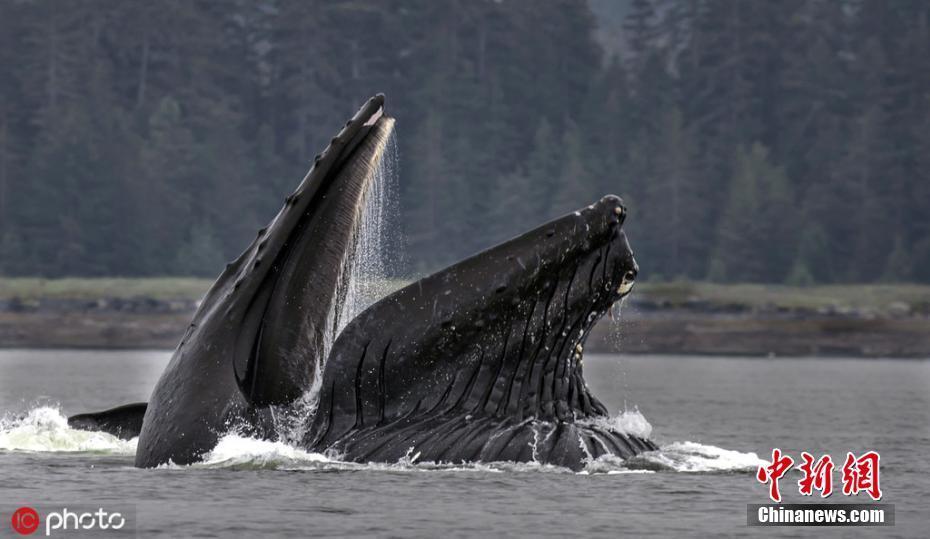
{"x": 481, "y": 361}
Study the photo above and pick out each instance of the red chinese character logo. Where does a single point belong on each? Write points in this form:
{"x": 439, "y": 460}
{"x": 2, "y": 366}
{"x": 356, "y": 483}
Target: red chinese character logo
{"x": 817, "y": 476}
{"x": 861, "y": 475}
{"x": 773, "y": 472}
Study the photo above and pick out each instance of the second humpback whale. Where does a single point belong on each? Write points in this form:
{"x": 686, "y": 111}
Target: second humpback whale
{"x": 482, "y": 361}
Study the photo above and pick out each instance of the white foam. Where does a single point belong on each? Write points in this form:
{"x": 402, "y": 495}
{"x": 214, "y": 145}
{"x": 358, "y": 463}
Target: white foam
{"x": 686, "y": 456}
{"x": 238, "y": 452}
{"x": 235, "y": 451}
{"x": 631, "y": 422}
{"x": 694, "y": 457}
{"x": 45, "y": 429}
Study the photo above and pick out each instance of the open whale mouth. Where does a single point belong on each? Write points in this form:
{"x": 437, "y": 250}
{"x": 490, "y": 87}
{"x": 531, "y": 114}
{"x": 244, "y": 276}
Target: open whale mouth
{"x": 623, "y": 290}
{"x": 627, "y": 280}
{"x": 296, "y": 274}
{"x": 479, "y": 361}
{"x": 585, "y": 270}
{"x": 608, "y": 258}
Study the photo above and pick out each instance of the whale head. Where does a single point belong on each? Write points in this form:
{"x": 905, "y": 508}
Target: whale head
{"x": 488, "y": 349}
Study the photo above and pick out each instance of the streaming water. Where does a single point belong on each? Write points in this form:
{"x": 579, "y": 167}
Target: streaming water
{"x": 615, "y": 337}
{"x": 377, "y": 249}
{"x": 377, "y": 255}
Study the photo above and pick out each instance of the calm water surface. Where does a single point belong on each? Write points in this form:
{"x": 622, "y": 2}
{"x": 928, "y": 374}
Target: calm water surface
{"x": 741, "y": 405}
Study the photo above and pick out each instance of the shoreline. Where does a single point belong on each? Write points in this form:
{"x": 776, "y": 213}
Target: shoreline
{"x": 669, "y": 332}
{"x": 867, "y": 321}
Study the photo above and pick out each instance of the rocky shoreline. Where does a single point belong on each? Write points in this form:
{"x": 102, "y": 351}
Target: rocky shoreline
{"x": 650, "y": 325}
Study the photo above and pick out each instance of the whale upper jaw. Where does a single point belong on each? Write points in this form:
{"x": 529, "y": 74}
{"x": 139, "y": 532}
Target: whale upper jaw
{"x": 294, "y": 314}
{"x": 486, "y": 350}
{"x": 266, "y": 323}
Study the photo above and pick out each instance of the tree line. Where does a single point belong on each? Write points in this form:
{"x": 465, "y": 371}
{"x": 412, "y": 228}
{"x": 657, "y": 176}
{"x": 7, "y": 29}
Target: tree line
{"x": 762, "y": 141}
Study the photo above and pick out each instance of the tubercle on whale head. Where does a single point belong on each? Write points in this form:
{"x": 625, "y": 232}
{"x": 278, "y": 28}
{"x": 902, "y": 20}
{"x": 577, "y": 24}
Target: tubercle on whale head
{"x": 596, "y": 271}
{"x": 590, "y": 240}
{"x": 309, "y": 278}
{"x": 590, "y": 243}
{"x": 275, "y": 234}
{"x": 591, "y": 236}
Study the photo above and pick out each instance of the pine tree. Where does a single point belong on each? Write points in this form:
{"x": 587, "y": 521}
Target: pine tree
{"x": 756, "y": 241}
{"x": 168, "y": 166}
{"x": 200, "y": 254}
{"x": 135, "y": 138}
{"x": 673, "y": 220}
{"x": 898, "y": 267}
{"x": 574, "y": 186}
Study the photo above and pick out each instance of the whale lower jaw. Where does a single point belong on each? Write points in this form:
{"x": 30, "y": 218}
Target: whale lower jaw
{"x": 462, "y": 438}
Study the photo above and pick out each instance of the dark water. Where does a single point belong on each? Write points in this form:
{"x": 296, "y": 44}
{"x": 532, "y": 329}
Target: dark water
{"x": 728, "y": 407}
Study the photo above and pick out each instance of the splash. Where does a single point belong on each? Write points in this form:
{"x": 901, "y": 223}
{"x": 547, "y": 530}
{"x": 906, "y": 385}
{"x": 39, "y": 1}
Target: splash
{"x": 242, "y": 453}
{"x": 45, "y": 429}
{"x": 236, "y": 452}
{"x": 631, "y": 422}
{"x": 686, "y": 456}
{"x": 694, "y": 458}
